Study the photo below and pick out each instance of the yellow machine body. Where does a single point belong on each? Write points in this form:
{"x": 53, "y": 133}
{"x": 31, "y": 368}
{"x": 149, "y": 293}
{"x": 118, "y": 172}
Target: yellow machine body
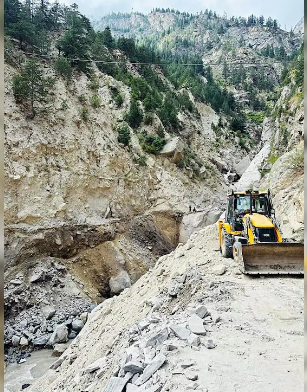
{"x": 256, "y": 240}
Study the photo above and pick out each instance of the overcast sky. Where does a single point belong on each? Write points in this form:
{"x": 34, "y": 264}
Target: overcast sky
{"x": 287, "y": 12}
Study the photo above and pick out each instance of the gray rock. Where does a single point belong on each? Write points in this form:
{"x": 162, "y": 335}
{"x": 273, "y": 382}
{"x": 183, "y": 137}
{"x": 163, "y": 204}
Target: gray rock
{"x": 181, "y": 332}
{"x": 57, "y": 363}
{"x": 209, "y": 344}
{"x": 15, "y": 340}
{"x": 59, "y": 335}
{"x": 174, "y": 288}
{"x": 37, "y": 276}
{"x": 59, "y": 349}
{"x": 77, "y": 325}
{"x": 219, "y": 269}
{"x": 191, "y": 375}
{"x": 16, "y": 282}
{"x": 23, "y": 341}
{"x": 132, "y": 388}
{"x": 158, "y": 338}
{"x": 72, "y": 335}
{"x": 83, "y": 317}
{"x": 41, "y": 341}
{"x": 115, "y": 384}
{"x": 194, "y": 340}
{"x": 23, "y": 324}
{"x": 196, "y": 325}
{"x": 120, "y": 282}
{"x": 48, "y": 312}
{"x": 150, "y": 369}
{"x": 100, "y": 363}
{"x": 201, "y": 311}
{"x": 133, "y": 367}
{"x": 187, "y": 363}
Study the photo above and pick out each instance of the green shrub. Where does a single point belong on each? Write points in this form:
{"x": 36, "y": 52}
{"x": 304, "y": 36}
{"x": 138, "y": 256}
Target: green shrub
{"x": 62, "y": 67}
{"x": 135, "y": 116}
{"x": 95, "y": 101}
{"x": 116, "y": 96}
{"x": 84, "y": 114}
{"x": 82, "y": 98}
{"x": 160, "y": 132}
{"x": 150, "y": 143}
{"x": 148, "y": 118}
{"x": 94, "y": 83}
{"x": 296, "y": 160}
{"x": 123, "y": 134}
{"x": 64, "y": 105}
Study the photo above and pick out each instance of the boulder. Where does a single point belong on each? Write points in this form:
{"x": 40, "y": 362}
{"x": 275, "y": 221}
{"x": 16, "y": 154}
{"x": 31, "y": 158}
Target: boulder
{"x": 59, "y": 335}
{"x": 173, "y": 149}
{"x": 48, "y": 312}
{"x": 77, "y": 325}
{"x": 241, "y": 166}
{"x": 119, "y": 282}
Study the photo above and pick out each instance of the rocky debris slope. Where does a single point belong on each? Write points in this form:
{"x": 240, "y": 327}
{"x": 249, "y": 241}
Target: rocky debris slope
{"x": 194, "y": 322}
{"x": 43, "y": 306}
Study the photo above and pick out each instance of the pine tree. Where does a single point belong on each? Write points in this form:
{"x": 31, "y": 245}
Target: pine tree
{"x": 30, "y": 86}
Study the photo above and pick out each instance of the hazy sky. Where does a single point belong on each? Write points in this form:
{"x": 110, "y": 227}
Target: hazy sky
{"x": 287, "y": 12}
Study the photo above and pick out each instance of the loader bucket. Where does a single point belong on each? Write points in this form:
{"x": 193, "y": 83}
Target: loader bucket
{"x": 273, "y": 258}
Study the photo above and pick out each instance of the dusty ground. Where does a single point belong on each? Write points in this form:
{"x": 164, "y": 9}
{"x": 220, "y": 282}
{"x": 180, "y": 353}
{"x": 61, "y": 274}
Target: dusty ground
{"x": 259, "y": 339}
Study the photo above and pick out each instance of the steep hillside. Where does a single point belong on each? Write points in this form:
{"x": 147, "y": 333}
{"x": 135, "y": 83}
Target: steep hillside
{"x": 246, "y": 53}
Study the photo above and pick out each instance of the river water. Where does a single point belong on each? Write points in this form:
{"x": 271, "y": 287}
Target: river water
{"x": 34, "y": 367}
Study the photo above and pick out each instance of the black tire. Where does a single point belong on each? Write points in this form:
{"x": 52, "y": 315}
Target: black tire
{"x": 226, "y": 244}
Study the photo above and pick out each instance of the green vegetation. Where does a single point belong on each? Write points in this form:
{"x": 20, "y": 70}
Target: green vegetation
{"x": 30, "y": 86}
{"x": 116, "y": 96}
{"x": 256, "y": 117}
{"x": 84, "y": 114}
{"x": 150, "y": 143}
{"x": 123, "y": 134}
{"x": 62, "y": 67}
{"x": 95, "y": 101}
{"x": 135, "y": 115}
{"x": 296, "y": 160}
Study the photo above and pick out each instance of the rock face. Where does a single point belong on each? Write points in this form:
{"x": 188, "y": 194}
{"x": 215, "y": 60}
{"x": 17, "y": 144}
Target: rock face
{"x": 194, "y": 222}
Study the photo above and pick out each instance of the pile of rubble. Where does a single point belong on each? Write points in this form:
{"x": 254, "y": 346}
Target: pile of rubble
{"x": 43, "y": 307}
{"x": 150, "y": 359}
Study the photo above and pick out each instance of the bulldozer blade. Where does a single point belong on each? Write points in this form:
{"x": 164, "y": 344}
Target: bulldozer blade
{"x": 273, "y": 258}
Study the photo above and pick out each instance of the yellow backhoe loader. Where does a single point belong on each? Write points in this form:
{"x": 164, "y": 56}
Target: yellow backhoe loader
{"x": 252, "y": 236}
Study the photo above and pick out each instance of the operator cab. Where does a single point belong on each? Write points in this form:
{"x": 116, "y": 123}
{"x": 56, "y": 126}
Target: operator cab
{"x": 240, "y": 204}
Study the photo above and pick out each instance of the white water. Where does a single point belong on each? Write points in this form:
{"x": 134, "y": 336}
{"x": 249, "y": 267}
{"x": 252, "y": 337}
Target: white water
{"x": 35, "y": 366}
